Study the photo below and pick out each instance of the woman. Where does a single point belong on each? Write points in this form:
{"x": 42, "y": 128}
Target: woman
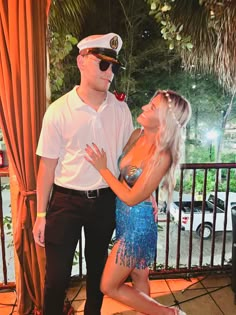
{"x": 150, "y": 157}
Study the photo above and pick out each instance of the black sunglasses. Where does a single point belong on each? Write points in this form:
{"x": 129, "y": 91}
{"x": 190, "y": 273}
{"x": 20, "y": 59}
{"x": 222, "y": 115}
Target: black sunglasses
{"x": 104, "y": 65}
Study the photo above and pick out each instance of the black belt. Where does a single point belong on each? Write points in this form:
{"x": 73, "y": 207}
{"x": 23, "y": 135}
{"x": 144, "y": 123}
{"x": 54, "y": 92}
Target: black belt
{"x": 84, "y": 193}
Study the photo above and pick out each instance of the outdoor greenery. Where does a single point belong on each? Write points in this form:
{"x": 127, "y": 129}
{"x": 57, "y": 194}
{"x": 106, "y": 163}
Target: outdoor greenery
{"x": 59, "y": 47}
{"x": 172, "y": 33}
{"x": 7, "y": 220}
{"x": 158, "y": 40}
{"x": 7, "y": 223}
{"x": 203, "y": 33}
{"x": 211, "y": 180}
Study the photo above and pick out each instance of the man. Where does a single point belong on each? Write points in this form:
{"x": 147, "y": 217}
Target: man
{"x": 78, "y": 196}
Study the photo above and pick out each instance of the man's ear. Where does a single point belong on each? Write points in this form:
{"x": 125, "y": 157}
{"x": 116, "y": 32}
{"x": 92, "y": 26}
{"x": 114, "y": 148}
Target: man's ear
{"x": 80, "y": 62}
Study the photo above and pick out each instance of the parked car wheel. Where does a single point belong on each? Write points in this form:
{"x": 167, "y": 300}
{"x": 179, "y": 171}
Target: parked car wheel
{"x": 207, "y": 231}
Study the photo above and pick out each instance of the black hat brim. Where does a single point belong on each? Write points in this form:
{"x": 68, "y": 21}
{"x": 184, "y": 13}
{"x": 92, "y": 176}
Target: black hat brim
{"x": 108, "y": 55}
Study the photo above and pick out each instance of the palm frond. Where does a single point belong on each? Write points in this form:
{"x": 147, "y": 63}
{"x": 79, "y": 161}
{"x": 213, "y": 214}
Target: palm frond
{"x": 212, "y": 28}
{"x": 69, "y": 16}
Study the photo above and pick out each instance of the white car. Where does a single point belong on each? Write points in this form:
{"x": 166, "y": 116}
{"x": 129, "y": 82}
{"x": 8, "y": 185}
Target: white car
{"x": 208, "y": 215}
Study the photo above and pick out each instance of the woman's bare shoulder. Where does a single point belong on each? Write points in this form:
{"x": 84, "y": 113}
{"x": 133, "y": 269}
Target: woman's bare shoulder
{"x": 134, "y": 136}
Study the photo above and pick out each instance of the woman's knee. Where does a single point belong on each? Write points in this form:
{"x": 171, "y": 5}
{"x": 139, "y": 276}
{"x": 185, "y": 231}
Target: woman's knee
{"x": 105, "y": 287}
{"x": 108, "y": 287}
{"x": 138, "y": 275}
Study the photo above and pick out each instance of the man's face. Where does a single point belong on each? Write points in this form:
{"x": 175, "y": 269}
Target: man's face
{"x": 93, "y": 76}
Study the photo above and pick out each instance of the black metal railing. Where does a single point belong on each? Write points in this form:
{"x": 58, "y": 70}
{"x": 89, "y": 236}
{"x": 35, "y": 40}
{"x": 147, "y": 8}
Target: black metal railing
{"x": 189, "y": 252}
{"x": 193, "y": 251}
{"x": 180, "y": 251}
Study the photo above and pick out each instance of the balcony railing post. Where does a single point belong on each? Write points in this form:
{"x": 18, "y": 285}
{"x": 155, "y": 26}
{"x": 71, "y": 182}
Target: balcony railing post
{"x": 4, "y": 264}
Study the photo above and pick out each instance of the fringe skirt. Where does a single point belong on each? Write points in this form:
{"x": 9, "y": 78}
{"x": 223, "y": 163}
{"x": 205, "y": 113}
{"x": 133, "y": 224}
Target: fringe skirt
{"x": 136, "y": 232}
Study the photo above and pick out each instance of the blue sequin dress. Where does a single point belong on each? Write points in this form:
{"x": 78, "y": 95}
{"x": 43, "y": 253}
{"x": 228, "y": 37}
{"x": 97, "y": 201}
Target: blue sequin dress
{"x": 136, "y": 232}
{"x": 136, "y": 229}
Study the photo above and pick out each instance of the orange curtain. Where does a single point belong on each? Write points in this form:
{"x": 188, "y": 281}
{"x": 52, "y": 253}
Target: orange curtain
{"x": 23, "y": 25}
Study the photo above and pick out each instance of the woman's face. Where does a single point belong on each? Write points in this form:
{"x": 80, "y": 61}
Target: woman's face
{"x": 150, "y": 117}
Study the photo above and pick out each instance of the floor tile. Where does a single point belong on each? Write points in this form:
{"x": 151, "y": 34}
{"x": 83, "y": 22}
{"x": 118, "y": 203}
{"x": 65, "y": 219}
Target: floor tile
{"x": 194, "y": 297}
{"x": 203, "y": 305}
{"x": 211, "y": 283}
{"x": 111, "y": 307}
{"x": 224, "y": 298}
{"x": 7, "y": 302}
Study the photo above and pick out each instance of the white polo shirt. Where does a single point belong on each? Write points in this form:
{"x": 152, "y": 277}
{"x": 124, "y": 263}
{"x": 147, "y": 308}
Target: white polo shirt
{"x": 69, "y": 124}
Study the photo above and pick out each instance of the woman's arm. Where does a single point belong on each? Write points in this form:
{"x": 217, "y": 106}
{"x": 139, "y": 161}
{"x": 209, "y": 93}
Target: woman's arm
{"x": 140, "y": 191}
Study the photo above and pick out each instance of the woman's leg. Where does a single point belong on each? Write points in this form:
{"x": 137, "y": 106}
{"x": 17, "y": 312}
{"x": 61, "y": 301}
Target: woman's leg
{"x": 140, "y": 281}
{"x": 113, "y": 284}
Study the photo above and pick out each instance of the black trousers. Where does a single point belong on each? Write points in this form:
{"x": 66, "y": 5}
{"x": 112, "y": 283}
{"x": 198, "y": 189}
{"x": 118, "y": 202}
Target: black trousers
{"x": 66, "y": 215}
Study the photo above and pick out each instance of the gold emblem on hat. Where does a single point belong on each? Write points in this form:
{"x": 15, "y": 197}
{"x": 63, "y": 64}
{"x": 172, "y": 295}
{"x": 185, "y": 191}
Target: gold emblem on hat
{"x": 114, "y": 42}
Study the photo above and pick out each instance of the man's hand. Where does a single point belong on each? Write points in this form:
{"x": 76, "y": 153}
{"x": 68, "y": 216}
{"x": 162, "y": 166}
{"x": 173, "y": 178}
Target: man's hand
{"x": 38, "y": 231}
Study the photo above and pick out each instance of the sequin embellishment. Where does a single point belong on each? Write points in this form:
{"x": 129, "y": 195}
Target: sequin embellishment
{"x": 136, "y": 232}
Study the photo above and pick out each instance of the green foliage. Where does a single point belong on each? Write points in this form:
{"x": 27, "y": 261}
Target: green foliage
{"x": 205, "y": 94}
{"x": 222, "y": 186}
{"x": 210, "y": 184}
{"x": 198, "y": 154}
{"x": 174, "y": 28}
{"x": 7, "y": 220}
{"x": 6, "y": 186}
{"x": 68, "y": 16}
{"x": 142, "y": 42}
{"x": 60, "y": 46}
{"x": 229, "y": 157}
{"x": 76, "y": 258}
{"x": 161, "y": 10}
{"x": 7, "y": 223}
{"x": 150, "y": 65}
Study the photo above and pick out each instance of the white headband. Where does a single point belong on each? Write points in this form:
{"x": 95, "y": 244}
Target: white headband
{"x": 167, "y": 95}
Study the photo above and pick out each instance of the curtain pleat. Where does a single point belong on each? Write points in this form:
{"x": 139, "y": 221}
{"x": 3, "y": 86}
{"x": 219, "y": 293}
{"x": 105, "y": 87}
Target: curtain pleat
{"x": 23, "y": 25}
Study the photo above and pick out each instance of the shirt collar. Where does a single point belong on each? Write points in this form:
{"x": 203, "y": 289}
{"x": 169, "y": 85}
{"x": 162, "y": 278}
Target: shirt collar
{"x": 75, "y": 101}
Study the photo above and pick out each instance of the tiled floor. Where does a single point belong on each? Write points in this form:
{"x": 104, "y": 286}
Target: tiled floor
{"x": 210, "y": 296}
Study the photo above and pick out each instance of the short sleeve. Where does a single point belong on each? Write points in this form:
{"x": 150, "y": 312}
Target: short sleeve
{"x": 49, "y": 143}
{"x": 129, "y": 124}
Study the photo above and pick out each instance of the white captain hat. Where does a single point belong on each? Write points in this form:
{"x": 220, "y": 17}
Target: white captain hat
{"x": 103, "y": 46}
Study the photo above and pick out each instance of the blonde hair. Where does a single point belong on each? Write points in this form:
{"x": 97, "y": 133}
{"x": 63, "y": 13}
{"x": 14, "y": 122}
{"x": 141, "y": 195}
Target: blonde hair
{"x": 170, "y": 137}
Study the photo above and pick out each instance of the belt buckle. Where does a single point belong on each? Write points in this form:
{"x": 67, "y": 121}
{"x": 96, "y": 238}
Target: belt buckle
{"x": 91, "y": 194}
